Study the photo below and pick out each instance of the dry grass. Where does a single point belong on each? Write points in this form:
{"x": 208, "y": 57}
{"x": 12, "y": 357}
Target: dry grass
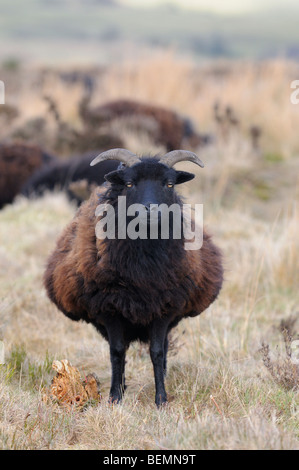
{"x": 221, "y": 395}
{"x": 284, "y": 370}
{"x": 216, "y": 354}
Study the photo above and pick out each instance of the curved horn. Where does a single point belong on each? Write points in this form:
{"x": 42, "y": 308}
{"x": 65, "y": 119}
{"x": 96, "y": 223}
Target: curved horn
{"x": 175, "y": 156}
{"x": 122, "y": 155}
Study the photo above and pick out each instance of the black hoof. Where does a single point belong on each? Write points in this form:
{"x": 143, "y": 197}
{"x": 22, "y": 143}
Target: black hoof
{"x": 114, "y": 400}
{"x": 161, "y": 400}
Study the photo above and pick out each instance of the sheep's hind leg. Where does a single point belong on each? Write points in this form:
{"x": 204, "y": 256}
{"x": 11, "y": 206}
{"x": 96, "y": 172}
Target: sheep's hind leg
{"x": 124, "y": 386}
{"x": 165, "y": 355}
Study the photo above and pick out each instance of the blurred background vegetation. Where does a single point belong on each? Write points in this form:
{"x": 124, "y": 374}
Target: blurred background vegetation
{"x": 104, "y": 30}
{"x": 225, "y": 67}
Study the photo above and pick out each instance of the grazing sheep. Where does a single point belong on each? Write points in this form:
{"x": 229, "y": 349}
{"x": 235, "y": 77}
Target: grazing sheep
{"x": 18, "y": 161}
{"x": 61, "y": 174}
{"x": 169, "y": 129}
{"x": 133, "y": 289}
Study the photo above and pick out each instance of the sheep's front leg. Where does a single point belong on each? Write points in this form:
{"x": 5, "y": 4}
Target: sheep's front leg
{"x": 118, "y": 348}
{"x": 158, "y": 333}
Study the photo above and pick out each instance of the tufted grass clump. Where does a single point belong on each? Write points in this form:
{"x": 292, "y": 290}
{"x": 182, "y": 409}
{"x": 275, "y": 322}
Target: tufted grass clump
{"x": 283, "y": 368}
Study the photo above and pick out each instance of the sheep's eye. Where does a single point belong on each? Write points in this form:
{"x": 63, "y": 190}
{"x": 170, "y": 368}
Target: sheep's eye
{"x": 169, "y": 185}
{"x": 129, "y": 184}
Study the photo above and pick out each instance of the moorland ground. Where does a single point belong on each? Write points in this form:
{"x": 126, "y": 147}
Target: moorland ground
{"x": 231, "y": 381}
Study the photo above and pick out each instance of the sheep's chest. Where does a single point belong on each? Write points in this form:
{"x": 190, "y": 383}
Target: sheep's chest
{"x": 141, "y": 303}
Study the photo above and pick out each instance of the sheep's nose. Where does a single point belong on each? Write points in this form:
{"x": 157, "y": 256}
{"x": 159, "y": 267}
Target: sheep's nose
{"x": 151, "y": 207}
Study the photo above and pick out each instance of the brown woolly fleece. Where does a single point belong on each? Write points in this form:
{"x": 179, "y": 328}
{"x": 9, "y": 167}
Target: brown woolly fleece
{"x": 88, "y": 278}
{"x": 18, "y": 161}
{"x": 171, "y": 126}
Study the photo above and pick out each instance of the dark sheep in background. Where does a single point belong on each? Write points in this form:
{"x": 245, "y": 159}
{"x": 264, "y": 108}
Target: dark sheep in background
{"x": 18, "y": 161}
{"x": 170, "y": 129}
{"x": 133, "y": 289}
{"x": 62, "y": 174}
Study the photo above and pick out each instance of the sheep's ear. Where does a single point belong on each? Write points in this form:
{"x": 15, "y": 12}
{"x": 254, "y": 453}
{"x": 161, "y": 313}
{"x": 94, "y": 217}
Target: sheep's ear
{"x": 115, "y": 177}
{"x": 183, "y": 176}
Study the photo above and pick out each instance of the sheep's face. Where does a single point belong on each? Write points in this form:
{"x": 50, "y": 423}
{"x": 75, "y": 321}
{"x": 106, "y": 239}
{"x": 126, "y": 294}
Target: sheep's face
{"x": 141, "y": 202}
{"x": 148, "y": 183}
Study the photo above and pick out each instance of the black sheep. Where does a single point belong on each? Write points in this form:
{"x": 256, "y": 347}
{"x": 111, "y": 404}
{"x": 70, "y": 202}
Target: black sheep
{"x": 62, "y": 173}
{"x": 133, "y": 289}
